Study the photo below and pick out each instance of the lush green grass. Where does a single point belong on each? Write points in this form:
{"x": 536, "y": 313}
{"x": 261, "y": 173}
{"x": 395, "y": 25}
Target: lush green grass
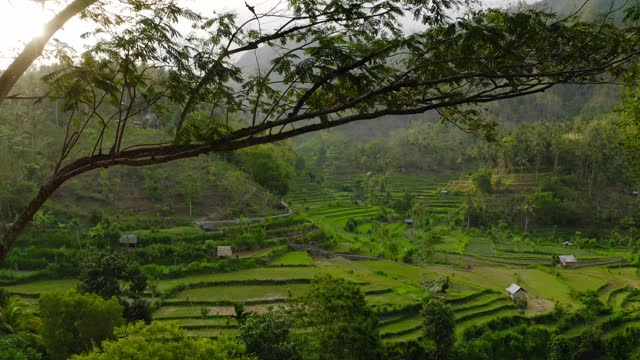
{"x": 212, "y": 332}
{"x": 408, "y": 324}
{"x": 545, "y": 285}
{"x": 581, "y": 282}
{"x": 241, "y": 293}
{"x": 295, "y": 258}
{"x": 190, "y": 311}
{"x": 480, "y": 246}
{"x": 462, "y": 325}
{"x": 413, "y": 335}
{"x": 226, "y": 322}
{"x": 41, "y": 286}
{"x": 270, "y": 273}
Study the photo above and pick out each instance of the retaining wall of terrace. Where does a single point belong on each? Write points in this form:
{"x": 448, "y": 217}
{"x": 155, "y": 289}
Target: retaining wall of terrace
{"x": 314, "y": 251}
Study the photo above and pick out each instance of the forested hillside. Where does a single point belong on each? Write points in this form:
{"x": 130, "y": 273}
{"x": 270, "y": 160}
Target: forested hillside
{"x": 246, "y": 183}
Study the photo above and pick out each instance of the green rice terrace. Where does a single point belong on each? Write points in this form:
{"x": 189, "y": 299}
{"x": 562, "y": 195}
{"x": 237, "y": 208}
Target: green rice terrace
{"x": 203, "y": 303}
{"x": 200, "y": 294}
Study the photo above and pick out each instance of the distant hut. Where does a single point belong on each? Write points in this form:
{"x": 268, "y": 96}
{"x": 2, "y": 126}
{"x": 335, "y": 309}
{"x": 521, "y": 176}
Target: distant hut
{"x": 130, "y": 240}
{"x": 224, "y": 251}
{"x": 444, "y": 192}
{"x": 281, "y": 206}
{"x": 514, "y": 289}
{"x": 567, "y": 243}
{"x": 567, "y": 260}
{"x": 409, "y": 222}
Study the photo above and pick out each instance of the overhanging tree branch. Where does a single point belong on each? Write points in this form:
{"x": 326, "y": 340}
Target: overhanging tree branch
{"x": 338, "y": 80}
{"x": 35, "y": 47}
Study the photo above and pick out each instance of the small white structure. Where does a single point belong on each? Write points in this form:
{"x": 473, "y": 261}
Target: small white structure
{"x": 409, "y": 222}
{"x": 130, "y": 240}
{"x": 444, "y": 192}
{"x": 567, "y": 260}
{"x": 567, "y": 243}
{"x": 515, "y": 289}
{"x": 224, "y": 251}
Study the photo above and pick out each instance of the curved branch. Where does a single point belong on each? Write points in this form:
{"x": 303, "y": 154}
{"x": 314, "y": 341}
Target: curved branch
{"x": 34, "y": 48}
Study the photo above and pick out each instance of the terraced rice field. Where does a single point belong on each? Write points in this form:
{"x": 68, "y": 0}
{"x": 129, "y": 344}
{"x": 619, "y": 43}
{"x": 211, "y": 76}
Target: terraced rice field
{"x": 295, "y": 258}
{"x": 392, "y": 288}
{"x": 37, "y": 287}
{"x": 204, "y": 304}
{"x": 328, "y": 202}
{"x": 513, "y": 182}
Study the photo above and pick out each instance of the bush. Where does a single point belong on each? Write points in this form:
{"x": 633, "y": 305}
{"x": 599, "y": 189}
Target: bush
{"x": 72, "y": 323}
{"x": 482, "y": 181}
{"x": 351, "y": 225}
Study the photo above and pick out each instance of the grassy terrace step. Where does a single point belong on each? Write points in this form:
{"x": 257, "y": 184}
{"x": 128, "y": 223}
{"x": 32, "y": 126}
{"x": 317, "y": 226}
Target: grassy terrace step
{"x": 334, "y": 211}
{"x": 255, "y": 274}
{"x": 480, "y": 302}
{"x": 212, "y": 333}
{"x": 346, "y": 214}
{"x": 222, "y": 303}
{"x": 227, "y": 322}
{"x": 458, "y": 301}
{"x": 294, "y": 258}
{"x": 618, "y": 296}
{"x": 239, "y": 293}
{"x": 37, "y": 287}
{"x": 169, "y": 312}
{"x": 480, "y": 318}
{"x": 413, "y": 335}
{"x": 388, "y": 320}
{"x": 491, "y": 308}
{"x": 402, "y": 327}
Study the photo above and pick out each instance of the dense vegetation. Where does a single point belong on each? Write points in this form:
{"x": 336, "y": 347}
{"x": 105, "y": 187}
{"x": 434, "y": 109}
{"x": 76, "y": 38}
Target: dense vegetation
{"x": 396, "y": 239}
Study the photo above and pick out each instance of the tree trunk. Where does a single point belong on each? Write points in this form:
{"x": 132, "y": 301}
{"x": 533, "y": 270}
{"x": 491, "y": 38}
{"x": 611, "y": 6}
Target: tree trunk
{"x": 34, "y": 48}
{"x": 12, "y": 231}
{"x": 190, "y": 212}
{"x": 526, "y": 222}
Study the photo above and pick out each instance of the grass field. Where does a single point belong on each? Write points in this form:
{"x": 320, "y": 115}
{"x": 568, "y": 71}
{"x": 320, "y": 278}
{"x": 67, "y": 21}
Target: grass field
{"x": 295, "y": 258}
{"x": 37, "y": 287}
{"x": 240, "y": 293}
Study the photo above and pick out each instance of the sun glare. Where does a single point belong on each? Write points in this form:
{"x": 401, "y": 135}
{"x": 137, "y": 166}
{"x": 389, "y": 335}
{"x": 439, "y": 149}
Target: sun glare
{"x": 20, "y": 21}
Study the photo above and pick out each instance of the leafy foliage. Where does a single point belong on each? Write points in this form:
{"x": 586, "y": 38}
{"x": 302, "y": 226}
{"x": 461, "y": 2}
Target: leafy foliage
{"x": 72, "y": 323}
{"x": 341, "y": 324}
{"x": 438, "y": 326}
{"x": 163, "y": 340}
{"x": 269, "y": 336}
{"x": 116, "y": 274}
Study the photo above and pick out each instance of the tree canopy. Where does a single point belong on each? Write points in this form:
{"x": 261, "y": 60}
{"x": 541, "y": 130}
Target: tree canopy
{"x": 337, "y": 62}
{"x": 163, "y": 341}
{"x": 72, "y": 323}
{"x": 341, "y": 325}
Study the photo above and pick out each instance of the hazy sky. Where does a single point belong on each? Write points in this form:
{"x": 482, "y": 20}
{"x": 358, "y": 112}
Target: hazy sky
{"x": 21, "y": 20}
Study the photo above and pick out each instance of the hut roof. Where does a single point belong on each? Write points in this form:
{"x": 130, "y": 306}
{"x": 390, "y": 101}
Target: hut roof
{"x": 514, "y": 288}
{"x": 568, "y": 258}
{"x": 129, "y": 239}
{"x": 224, "y": 251}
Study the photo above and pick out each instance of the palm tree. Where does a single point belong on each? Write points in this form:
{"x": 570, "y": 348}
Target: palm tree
{"x": 17, "y": 316}
{"x": 528, "y": 209}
